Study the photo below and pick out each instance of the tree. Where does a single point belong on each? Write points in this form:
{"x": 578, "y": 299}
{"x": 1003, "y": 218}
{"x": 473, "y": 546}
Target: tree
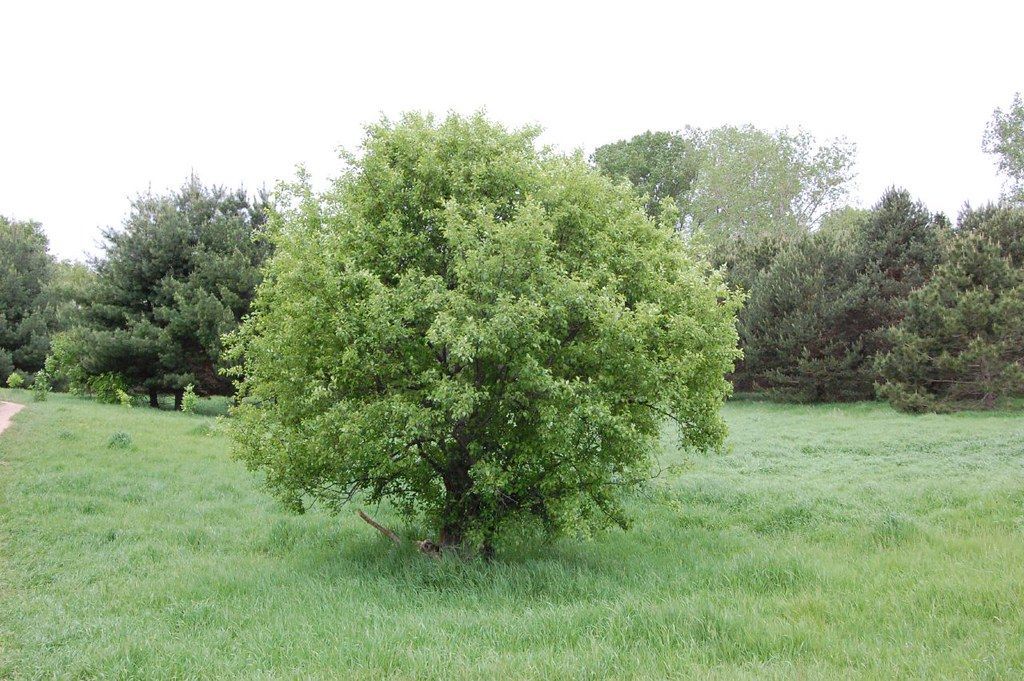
{"x": 179, "y": 275}
{"x": 25, "y": 269}
{"x": 1004, "y": 138}
{"x": 753, "y": 184}
{"x": 902, "y": 243}
{"x": 660, "y": 165}
{"x": 818, "y": 310}
{"x": 804, "y": 325}
{"x": 735, "y": 185}
{"x": 483, "y": 334}
{"x": 962, "y": 340}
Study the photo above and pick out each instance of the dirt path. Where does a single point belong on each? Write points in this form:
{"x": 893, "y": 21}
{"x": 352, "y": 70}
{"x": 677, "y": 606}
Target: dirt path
{"x": 7, "y": 410}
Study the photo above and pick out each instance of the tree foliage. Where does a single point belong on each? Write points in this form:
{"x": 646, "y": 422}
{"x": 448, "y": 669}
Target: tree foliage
{"x": 177, "y": 276}
{"x": 661, "y": 165}
{"x": 754, "y": 184}
{"x": 1004, "y": 138}
{"x": 816, "y": 315}
{"x": 803, "y": 328}
{"x": 962, "y": 339}
{"x": 483, "y": 334}
{"x": 736, "y": 187}
{"x": 26, "y": 269}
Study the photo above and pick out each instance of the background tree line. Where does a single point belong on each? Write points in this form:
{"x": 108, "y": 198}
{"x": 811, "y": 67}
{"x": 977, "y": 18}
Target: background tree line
{"x": 146, "y": 316}
{"x": 842, "y": 303}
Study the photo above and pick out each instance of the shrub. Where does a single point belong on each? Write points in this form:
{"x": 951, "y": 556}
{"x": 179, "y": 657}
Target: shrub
{"x": 120, "y": 440}
{"x": 40, "y": 386}
{"x": 189, "y": 400}
{"x": 15, "y": 380}
{"x": 107, "y": 388}
{"x": 483, "y": 334}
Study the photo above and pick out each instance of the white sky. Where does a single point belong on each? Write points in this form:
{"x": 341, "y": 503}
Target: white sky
{"x": 99, "y": 101}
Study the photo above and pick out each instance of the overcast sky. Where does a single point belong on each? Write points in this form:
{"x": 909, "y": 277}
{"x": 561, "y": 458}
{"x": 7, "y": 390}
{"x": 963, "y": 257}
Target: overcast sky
{"x": 99, "y": 101}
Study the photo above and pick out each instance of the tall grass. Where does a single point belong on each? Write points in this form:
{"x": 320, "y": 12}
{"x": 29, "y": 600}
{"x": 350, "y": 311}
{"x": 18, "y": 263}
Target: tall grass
{"x": 825, "y": 541}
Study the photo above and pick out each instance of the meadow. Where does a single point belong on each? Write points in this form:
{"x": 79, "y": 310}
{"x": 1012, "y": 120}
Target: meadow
{"x": 824, "y": 542}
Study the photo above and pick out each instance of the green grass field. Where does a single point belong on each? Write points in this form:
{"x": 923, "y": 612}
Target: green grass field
{"x": 826, "y": 542}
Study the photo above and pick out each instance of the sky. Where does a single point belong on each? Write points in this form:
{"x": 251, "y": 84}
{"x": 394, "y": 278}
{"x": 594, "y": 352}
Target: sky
{"x": 100, "y": 101}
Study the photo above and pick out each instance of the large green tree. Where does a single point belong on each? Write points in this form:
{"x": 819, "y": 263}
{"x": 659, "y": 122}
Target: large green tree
{"x": 178, "y": 275}
{"x": 25, "y": 270}
{"x": 483, "y": 334}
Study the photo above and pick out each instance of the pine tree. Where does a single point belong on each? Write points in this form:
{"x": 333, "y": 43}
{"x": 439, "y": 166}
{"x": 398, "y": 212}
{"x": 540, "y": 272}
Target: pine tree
{"x": 179, "y": 275}
{"x": 962, "y": 339}
{"x": 815, "y": 317}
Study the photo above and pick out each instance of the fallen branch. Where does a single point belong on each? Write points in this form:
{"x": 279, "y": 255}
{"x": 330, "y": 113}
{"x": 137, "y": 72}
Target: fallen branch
{"x": 425, "y": 546}
{"x": 380, "y": 528}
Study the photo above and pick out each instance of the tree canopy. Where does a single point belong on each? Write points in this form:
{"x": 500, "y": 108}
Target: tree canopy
{"x": 754, "y": 183}
{"x": 481, "y": 333}
{"x": 735, "y": 184}
{"x": 819, "y": 305}
{"x": 661, "y": 165}
{"x": 1004, "y": 138}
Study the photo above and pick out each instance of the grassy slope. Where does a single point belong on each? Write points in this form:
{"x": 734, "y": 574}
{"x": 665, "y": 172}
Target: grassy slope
{"x": 825, "y": 542}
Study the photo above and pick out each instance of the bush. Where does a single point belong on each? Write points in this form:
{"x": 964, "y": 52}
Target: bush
{"x": 483, "y": 334}
{"x": 119, "y": 440}
{"x": 108, "y": 388}
{"x": 189, "y": 400}
{"x": 15, "y": 380}
{"x": 40, "y": 386}
{"x": 962, "y": 340}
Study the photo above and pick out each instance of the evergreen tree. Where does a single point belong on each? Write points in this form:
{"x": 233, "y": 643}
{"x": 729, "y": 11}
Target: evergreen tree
{"x": 173, "y": 280}
{"x": 962, "y": 339}
{"x": 25, "y": 270}
{"x": 816, "y": 315}
{"x": 803, "y": 327}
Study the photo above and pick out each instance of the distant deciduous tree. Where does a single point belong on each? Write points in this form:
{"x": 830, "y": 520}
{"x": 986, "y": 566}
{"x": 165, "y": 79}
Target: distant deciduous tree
{"x": 661, "y": 165}
{"x": 1004, "y": 138}
{"x": 735, "y": 187}
{"x": 753, "y": 184}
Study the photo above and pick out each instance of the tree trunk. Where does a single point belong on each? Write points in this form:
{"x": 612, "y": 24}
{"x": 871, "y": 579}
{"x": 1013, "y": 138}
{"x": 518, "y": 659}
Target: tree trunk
{"x": 451, "y": 535}
{"x": 178, "y": 396}
{"x": 457, "y": 485}
{"x": 154, "y": 399}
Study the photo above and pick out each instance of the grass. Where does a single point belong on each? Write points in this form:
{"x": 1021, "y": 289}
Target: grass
{"x": 825, "y": 542}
